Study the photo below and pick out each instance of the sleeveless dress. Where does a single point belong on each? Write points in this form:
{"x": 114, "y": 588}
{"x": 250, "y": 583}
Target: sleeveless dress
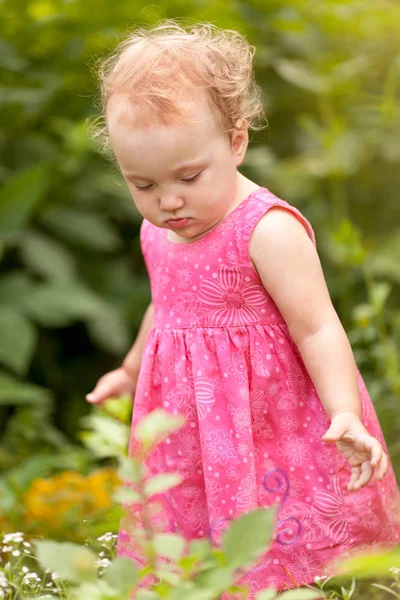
{"x": 220, "y": 353}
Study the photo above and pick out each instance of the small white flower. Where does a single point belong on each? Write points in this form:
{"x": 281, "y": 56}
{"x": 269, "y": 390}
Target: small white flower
{"x": 18, "y": 536}
{"x": 103, "y": 563}
{"x": 16, "y": 553}
{"x": 107, "y": 537}
{"x": 3, "y": 581}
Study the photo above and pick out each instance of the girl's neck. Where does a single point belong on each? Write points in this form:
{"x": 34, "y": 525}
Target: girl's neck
{"x": 245, "y": 188}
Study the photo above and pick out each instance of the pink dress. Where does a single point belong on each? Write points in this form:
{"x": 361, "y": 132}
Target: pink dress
{"x": 220, "y": 353}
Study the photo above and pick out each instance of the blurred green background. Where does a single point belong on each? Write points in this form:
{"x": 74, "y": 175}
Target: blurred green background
{"x": 73, "y": 286}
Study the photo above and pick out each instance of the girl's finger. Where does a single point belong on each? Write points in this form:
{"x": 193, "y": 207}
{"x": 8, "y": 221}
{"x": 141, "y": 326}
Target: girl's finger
{"x": 376, "y": 454}
{"x": 355, "y": 473}
{"x": 383, "y": 467}
{"x": 366, "y": 475}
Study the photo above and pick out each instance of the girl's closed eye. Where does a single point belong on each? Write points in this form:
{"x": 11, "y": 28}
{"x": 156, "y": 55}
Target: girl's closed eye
{"x": 190, "y": 180}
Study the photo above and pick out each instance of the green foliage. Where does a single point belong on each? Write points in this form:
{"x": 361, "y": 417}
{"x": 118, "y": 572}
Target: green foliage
{"x": 241, "y": 549}
{"x": 73, "y": 286}
{"x": 70, "y": 561}
{"x": 179, "y": 568}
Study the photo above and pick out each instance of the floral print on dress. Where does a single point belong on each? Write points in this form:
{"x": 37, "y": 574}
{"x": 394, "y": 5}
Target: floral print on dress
{"x": 231, "y": 299}
{"x": 220, "y": 353}
{"x": 220, "y": 447}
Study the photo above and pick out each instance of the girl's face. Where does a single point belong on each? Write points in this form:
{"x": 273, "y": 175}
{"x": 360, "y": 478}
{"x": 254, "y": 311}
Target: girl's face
{"x": 186, "y": 171}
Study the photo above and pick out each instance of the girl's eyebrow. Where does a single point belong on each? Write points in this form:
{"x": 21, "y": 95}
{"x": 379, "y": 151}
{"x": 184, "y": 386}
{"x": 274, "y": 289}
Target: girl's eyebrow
{"x": 196, "y": 163}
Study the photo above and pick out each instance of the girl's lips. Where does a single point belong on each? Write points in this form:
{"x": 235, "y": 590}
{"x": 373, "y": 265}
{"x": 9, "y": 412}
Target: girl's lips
{"x": 178, "y": 223}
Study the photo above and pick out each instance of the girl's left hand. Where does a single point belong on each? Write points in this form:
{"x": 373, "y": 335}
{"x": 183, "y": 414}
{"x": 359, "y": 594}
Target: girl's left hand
{"x": 363, "y": 452}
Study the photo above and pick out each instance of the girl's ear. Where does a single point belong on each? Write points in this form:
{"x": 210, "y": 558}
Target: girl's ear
{"x": 240, "y": 140}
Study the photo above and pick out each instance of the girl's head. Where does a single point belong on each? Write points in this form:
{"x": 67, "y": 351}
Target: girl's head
{"x": 172, "y": 96}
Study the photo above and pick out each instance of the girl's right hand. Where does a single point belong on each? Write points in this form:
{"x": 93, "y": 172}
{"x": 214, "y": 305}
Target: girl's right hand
{"x": 111, "y": 385}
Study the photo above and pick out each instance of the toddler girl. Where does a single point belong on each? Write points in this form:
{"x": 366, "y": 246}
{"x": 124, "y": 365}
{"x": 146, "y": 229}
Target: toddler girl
{"x": 241, "y": 336}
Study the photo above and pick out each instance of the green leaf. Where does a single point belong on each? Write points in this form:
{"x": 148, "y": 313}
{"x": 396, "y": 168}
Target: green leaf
{"x": 268, "y": 594}
{"x": 161, "y": 483}
{"x": 110, "y": 329}
{"x": 19, "y": 198}
{"x": 8, "y": 497}
{"x": 36, "y": 466}
{"x": 15, "y": 392}
{"x": 126, "y": 494}
{"x": 379, "y": 294}
{"x": 156, "y": 426}
{"x": 189, "y": 591}
{"x": 300, "y": 74}
{"x": 111, "y": 521}
{"x": 14, "y": 288}
{"x": 199, "y": 549}
{"x": 109, "y": 436}
{"x": 302, "y": 594}
{"x": 17, "y": 340}
{"x": 122, "y": 574}
{"x": 146, "y": 595}
{"x": 216, "y": 579}
{"x": 247, "y": 537}
{"x": 70, "y": 561}
{"x": 387, "y": 589}
{"x": 131, "y": 468}
{"x": 47, "y": 257}
{"x": 169, "y": 544}
{"x": 87, "y": 229}
{"x": 369, "y": 564}
{"x": 119, "y": 408}
{"x": 59, "y": 304}
{"x": 168, "y": 576}
{"x": 383, "y": 262}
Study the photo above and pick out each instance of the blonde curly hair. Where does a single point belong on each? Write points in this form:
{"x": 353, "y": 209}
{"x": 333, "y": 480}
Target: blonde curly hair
{"x": 156, "y": 67}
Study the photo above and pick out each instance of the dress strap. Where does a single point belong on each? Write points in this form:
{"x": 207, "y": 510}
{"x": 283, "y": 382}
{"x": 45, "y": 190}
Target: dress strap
{"x": 255, "y": 209}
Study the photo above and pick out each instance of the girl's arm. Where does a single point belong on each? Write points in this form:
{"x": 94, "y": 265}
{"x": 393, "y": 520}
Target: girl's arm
{"x": 291, "y": 272}
{"x": 123, "y": 380}
{"x": 132, "y": 361}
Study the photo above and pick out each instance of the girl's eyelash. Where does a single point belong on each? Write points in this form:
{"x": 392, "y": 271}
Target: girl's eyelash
{"x": 190, "y": 180}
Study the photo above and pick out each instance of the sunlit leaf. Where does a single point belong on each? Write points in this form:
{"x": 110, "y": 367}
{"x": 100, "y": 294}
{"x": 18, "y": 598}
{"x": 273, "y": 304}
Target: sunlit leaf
{"x": 269, "y": 594}
{"x": 369, "y": 564}
{"x": 247, "y": 537}
{"x": 302, "y": 594}
{"x": 156, "y": 426}
{"x": 161, "y": 483}
{"x": 122, "y": 574}
{"x": 70, "y": 561}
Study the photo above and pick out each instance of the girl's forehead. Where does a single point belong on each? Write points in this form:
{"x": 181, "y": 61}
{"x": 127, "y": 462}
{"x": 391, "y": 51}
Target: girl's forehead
{"x": 136, "y": 141}
{"x": 160, "y": 150}
{"x": 196, "y": 116}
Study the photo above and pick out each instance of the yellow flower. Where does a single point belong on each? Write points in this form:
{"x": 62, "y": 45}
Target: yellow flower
{"x": 69, "y": 503}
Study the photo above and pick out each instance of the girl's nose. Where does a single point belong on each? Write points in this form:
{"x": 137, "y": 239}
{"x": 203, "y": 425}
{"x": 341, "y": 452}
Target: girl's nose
{"x": 170, "y": 202}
